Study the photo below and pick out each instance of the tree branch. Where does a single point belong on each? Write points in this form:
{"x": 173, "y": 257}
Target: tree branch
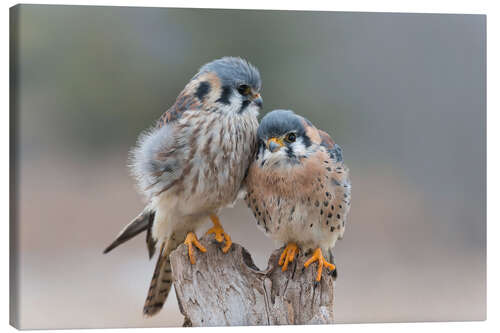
{"x": 228, "y": 289}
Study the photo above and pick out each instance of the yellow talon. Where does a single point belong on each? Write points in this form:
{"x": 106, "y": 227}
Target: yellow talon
{"x": 220, "y": 234}
{"x": 191, "y": 240}
{"x": 318, "y": 256}
{"x": 288, "y": 255}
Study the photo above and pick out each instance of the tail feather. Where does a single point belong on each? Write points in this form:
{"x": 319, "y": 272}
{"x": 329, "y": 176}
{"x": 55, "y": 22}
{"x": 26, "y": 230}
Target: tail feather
{"x": 162, "y": 280}
{"x": 141, "y": 223}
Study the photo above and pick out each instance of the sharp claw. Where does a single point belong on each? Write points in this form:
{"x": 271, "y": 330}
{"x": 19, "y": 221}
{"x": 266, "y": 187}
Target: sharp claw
{"x": 229, "y": 242}
{"x": 191, "y": 240}
{"x": 287, "y": 255}
{"x": 220, "y": 234}
{"x": 318, "y": 256}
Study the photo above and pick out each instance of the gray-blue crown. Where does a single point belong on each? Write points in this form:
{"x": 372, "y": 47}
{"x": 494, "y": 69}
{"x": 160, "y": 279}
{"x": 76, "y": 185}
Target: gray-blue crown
{"x": 233, "y": 71}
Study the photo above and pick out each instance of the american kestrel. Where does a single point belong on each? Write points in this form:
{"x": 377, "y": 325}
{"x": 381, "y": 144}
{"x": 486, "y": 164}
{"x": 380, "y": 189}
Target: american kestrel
{"x": 192, "y": 163}
{"x": 298, "y": 187}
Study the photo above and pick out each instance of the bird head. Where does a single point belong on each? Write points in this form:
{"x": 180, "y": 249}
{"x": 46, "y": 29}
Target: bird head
{"x": 283, "y": 137}
{"x": 228, "y": 85}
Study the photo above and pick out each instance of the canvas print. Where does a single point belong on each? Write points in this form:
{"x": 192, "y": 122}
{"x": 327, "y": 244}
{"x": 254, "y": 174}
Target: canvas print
{"x": 202, "y": 167}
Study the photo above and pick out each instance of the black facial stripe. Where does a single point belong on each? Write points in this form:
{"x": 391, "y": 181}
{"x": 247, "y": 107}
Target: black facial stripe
{"x": 261, "y": 148}
{"x": 203, "y": 90}
{"x": 224, "y": 97}
{"x": 305, "y": 139}
{"x": 244, "y": 105}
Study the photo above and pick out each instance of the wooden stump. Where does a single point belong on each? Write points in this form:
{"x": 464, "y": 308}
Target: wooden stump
{"x": 228, "y": 289}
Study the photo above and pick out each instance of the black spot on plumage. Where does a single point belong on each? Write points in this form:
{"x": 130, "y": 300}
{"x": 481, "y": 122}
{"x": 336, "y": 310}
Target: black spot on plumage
{"x": 332, "y": 228}
{"x": 202, "y": 90}
{"x": 327, "y": 194}
{"x": 321, "y": 212}
{"x": 316, "y": 203}
{"x": 340, "y": 206}
{"x": 338, "y": 216}
{"x": 290, "y": 153}
{"x": 244, "y": 106}
{"x": 311, "y": 225}
{"x": 225, "y": 95}
{"x": 325, "y": 203}
{"x": 335, "y": 182}
{"x": 329, "y": 215}
{"x": 329, "y": 169}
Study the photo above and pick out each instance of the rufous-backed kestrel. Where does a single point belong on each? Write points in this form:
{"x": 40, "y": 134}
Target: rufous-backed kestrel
{"x": 298, "y": 187}
{"x": 192, "y": 163}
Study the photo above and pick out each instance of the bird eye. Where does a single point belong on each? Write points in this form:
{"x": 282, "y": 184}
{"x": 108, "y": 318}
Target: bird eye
{"x": 291, "y": 137}
{"x": 244, "y": 90}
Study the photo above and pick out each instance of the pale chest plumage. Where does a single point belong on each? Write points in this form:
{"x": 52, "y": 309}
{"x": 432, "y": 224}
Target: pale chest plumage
{"x": 218, "y": 152}
{"x": 306, "y": 204}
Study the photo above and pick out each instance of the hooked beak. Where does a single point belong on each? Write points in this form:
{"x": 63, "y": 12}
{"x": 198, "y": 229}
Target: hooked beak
{"x": 257, "y": 99}
{"x": 274, "y": 144}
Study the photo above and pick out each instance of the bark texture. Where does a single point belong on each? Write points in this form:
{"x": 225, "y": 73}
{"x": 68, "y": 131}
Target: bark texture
{"x": 228, "y": 289}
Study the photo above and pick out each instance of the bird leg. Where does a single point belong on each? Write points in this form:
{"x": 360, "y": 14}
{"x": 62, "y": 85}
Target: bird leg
{"x": 191, "y": 240}
{"x": 288, "y": 255}
{"x": 318, "y": 256}
{"x": 219, "y": 232}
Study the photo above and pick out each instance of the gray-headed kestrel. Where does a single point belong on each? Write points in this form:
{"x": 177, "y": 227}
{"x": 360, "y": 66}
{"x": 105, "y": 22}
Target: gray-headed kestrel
{"x": 299, "y": 188}
{"x": 192, "y": 163}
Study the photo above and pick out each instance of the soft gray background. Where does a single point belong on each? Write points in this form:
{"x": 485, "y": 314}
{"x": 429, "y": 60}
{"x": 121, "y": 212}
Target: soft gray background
{"x": 403, "y": 94}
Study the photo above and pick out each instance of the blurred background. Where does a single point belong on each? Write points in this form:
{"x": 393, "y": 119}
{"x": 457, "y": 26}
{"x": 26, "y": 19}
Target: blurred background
{"x": 403, "y": 94}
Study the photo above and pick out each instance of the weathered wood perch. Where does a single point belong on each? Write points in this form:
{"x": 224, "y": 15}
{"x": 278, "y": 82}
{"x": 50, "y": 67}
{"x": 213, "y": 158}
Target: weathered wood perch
{"x": 228, "y": 289}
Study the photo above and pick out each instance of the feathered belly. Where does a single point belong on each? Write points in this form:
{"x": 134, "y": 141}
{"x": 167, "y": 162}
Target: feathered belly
{"x": 293, "y": 221}
{"x": 308, "y": 211}
{"x": 217, "y": 163}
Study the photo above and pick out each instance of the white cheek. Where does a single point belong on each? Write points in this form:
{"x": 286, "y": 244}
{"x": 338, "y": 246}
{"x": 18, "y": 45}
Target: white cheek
{"x": 253, "y": 109}
{"x": 272, "y": 158}
{"x": 233, "y": 106}
{"x": 299, "y": 148}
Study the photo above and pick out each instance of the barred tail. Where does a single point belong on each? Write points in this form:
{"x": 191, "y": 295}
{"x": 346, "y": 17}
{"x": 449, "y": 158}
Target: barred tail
{"x": 162, "y": 280}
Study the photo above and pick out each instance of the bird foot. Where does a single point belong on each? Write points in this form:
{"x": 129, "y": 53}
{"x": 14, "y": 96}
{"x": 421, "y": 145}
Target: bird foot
{"x": 191, "y": 240}
{"x": 220, "y": 234}
{"x": 318, "y": 256}
{"x": 288, "y": 255}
